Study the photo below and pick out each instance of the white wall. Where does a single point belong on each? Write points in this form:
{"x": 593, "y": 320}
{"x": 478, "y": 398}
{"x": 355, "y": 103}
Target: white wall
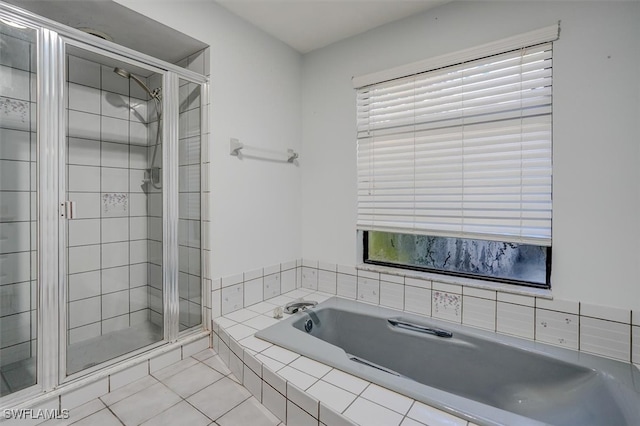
{"x": 596, "y": 222}
{"x": 255, "y": 97}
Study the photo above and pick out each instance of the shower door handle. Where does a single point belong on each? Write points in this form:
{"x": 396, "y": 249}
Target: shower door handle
{"x": 68, "y": 209}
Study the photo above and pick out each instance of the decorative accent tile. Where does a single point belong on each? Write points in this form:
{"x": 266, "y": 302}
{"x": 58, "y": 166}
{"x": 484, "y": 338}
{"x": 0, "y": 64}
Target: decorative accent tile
{"x": 515, "y": 319}
{"x": 115, "y": 204}
{"x": 479, "y": 313}
{"x": 557, "y": 328}
{"x": 417, "y": 300}
{"x": 447, "y": 306}
{"x": 606, "y": 338}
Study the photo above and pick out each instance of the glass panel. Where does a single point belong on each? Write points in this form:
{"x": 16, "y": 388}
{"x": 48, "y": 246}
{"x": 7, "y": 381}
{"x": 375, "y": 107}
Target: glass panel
{"x": 18, "y": 212}
{"x": 190, "y": 280}
{"x": 498, "y": 261}
{"x": 114, "y": 159}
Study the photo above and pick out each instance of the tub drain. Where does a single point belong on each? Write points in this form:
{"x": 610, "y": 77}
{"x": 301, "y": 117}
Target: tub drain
{"x": 308, "y": 326}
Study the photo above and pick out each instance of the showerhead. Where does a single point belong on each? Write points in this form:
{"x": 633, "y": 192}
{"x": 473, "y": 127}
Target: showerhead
{"x": 155, "y": 94}
{"x": 122, "y": 72}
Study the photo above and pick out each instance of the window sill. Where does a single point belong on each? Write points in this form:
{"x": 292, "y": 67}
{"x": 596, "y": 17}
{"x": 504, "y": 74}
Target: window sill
{"x": 465, "y": 282}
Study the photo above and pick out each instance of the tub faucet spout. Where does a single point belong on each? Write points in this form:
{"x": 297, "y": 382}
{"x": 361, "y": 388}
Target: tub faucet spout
{"x": 297, "y": 305}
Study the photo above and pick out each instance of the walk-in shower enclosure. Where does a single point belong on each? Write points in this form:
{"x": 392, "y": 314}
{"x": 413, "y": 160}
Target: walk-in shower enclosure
{"x": 100, "y": 203}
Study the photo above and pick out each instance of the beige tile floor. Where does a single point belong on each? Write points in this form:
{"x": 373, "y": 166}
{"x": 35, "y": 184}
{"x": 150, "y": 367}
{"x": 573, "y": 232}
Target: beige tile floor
{"x": 197, "y": 391}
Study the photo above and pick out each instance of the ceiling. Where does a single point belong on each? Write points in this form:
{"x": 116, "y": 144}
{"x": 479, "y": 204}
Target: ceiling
{"x": 307, "y": 25}
{"x": 125, "y": 26}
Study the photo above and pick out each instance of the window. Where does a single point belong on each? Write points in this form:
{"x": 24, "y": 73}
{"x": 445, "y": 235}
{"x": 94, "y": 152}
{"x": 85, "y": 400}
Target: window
{"x": 455, "y": 162}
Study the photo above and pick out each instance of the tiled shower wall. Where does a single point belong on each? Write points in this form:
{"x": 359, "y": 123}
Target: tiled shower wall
{"x": 113, "y": 252}
{"x": 17, "y": 199}
{"x": 600, "y": 330}
{"x": 193, "y": 177}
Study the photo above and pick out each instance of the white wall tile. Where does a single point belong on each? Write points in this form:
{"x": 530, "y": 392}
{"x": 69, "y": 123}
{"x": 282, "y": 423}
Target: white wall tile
{"x": 392, "y": 295}
{"x": 14, "y": 176}
{"x": 635, "y": 351}
{"x": 252, "y": 382}
{"x": 115, "y": 279}
{"x": 117, "y": 323}
{"x": 607, "y": 338}
{"x": 83, "y": 333}
{"x": 77, "y": 397}
{"x": 570, "y": 307}
{"x": 138, "y": 275}
{"x": 517, "y": 299}
{"x": 479, "y": 292}
{"x": 253, "y": 291}
{"x": 479, "y": 313}
{"x": 115, "y": 304}
{"x": 113, "y": 82}
{"x": 16, "y": 145}
{"x": 84, "y": 152}
{"x": 115, "y": 254}
{"x": 232, "y": 298}
{"x": 346, "y": 381}
{"x": 115, "y": 105}
{"x": 347, "y": 285}
{"x": 129, "y": 375}
{"x": 288, "y": 280}
{"x": 83, "y": 312}
{"x": 15, "y": 236}
{"x": 417, "y": 300}
{"x": 447, "y": 288}
{"x": 83, "y": 285}
{"x": 84, "y": 125}
{"x": 114, "y": 180}
{"x": 115, "y": 229}
{"x": 446, "y": 306}
{"x": 557, "y": 328}
{"x": 114, "y": 155}
{"x": 309, "y": 278}
{"x": 84, "y": 72}
{"x": 605, "y": 313}
{"x": 297, "y": 416}
{"x": 327, "y": 281}
{"x": 369, "y": 290}
{"x": 84, "y": 98}
{"x": 271, "y": 286}
{"x": 515, "y": 319}
{"x": 387, "y": 398}
{"x": 84, "y": 179}
{"x": 15, "y": 206}
{"x": 165, "y": 360}
{"x": 416, "y": 282}
{"x": 14, "y": 83}
{"x": 274, "y": 401}
{"x": 85, "y": 258}
{"x": 302, "y": 399}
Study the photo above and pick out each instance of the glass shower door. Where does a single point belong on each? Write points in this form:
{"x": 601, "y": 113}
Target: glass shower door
{"x": 114, "y": 211}
{"x": 18, "y": 217}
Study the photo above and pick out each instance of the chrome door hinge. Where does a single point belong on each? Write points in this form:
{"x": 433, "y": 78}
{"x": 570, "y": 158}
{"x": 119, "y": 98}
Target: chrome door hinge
{"x": 68, "y": 209}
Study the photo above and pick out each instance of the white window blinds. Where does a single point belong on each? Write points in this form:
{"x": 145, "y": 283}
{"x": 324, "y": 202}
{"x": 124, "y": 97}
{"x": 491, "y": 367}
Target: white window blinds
{"x": 460, "y": 151}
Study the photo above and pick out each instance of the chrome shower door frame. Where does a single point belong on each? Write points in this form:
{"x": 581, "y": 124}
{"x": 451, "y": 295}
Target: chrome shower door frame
{"x": 52, "y": 40}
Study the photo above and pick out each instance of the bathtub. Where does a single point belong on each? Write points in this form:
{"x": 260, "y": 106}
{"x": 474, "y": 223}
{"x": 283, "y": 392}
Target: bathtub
{"x": 484, "y": 377}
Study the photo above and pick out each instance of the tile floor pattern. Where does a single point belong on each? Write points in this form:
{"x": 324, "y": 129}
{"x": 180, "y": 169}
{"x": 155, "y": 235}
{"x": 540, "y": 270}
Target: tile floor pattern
{"x": 197, "y": 391}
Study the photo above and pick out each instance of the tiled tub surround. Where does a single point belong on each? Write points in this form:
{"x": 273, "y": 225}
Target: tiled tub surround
{"x": 243, "y": 304}
{"x": 18, "y": 272}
